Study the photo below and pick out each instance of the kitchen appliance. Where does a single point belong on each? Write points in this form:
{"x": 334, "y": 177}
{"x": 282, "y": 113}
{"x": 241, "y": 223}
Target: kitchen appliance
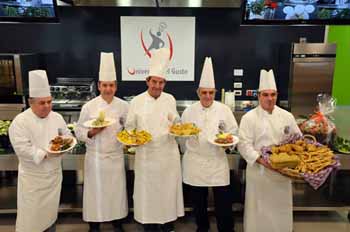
{"x": 14, "y": 70}
{"x": 70, "y": 94}
{"x": 311, "y": 73}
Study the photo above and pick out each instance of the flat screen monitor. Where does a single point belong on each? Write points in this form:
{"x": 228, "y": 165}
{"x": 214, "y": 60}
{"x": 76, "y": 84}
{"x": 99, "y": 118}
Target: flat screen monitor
{"x": 28, "y": 11}
{"x": 324, "y": 12}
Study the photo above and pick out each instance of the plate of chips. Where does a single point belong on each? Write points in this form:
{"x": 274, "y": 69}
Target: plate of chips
{"x": 184, "y": 130}
{"x": 134, "y": 137}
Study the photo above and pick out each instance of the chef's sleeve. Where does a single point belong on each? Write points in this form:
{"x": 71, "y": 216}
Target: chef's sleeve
{"x": 21, "y": 143}
{"x": 246, "y": 142}
{"x": 81, "y": 132}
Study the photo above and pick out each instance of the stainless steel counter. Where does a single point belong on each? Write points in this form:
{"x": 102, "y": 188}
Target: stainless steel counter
{"x": 9, "y": 162}
{"x": 71, "y": 162}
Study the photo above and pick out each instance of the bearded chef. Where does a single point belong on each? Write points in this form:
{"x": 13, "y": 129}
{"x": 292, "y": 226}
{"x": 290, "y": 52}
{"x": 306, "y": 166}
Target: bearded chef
{"x": 204, "y": 164}
{"x": 268, "y": 197}
{"x": 105, "y": 197}
{"x": 39, "y": 173}
{"x": 158, "y": 184}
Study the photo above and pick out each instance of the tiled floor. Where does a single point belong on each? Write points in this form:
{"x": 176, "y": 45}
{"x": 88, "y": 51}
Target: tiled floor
{"x": 303, "y": 222}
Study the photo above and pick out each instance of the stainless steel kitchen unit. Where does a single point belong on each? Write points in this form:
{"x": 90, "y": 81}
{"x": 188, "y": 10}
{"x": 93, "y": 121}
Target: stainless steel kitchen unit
{"x": 311, "y": 73}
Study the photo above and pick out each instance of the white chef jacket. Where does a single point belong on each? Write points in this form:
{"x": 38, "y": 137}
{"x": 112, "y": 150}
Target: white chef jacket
{"x": 158, "y": 183}
{"x": 105, "y": 196}
{"x": 39, "y": 178}
{"x": 205, "y": 164}
{"x": 269, "y": 200}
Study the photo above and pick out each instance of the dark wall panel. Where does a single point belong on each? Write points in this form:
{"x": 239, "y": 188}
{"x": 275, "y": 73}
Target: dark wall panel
{"x": 71, "y": 48}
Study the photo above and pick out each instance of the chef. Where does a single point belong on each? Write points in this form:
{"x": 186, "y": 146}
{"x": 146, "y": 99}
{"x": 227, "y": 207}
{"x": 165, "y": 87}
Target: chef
{"x": 268, "y": 197}
{"x": 105, "y": 197}
{"x": 158, "y": 184}
{"x": 39, "y": 172}
{"x": 204, "y": 164}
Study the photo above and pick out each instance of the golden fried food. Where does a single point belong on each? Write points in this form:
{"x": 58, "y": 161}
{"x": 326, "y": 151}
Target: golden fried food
{"x": 285, "y": 148}
{"x": 297, "y": 148}
{"x": 134, "y": 137}
{"x": 184, "y": 129}
{"x": 275, "y": 149}
{"x": 312, "y": 158}
{"x": 311, "y": 147}
{"x": 284, "y": 160}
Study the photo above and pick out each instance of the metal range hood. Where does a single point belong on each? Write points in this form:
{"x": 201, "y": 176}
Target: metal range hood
{"x": 155, "y": 3}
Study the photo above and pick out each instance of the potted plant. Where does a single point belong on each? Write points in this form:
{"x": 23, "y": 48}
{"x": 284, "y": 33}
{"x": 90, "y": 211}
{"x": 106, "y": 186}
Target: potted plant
{"x": 4, "y": 139}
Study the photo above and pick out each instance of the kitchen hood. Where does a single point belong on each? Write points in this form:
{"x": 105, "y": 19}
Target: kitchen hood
{"x": 155, "y": 3}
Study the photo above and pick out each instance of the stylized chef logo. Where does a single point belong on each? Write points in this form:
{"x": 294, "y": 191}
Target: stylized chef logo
{"x": 157, "y": 41}
{"x": 157, "y": 38}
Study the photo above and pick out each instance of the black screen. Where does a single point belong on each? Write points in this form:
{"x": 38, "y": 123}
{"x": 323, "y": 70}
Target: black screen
{"x": 326, "y": 12}
{"x": 28, "y": 11}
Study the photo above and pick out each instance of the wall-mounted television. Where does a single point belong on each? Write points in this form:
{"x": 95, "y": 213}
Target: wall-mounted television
{"x": 28, "y": 11}
{"x": 325, "y": 12}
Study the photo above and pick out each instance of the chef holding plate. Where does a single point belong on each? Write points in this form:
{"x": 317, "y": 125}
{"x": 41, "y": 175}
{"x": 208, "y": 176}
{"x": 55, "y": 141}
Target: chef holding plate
{"x": 158, "y": 199}
{"x": 205, "y": 162}
{"x": 39, "y": 171}
{"x": 105, "y": 197}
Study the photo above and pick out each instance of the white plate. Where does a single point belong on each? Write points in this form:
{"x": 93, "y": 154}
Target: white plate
{"x": 66, "y": 150}
{"x": 235, "y": 141}
{"x": 182, "y": 136}
{"x": 89, "y": 124}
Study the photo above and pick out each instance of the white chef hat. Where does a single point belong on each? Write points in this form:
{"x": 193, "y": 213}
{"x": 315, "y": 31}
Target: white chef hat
{"x": 267, "y": 80}
{"x": 38, "y": 84}
{"x": 107, "y": 68}
{"x": 207, "y": 77}
{"x": 159, "y": 63}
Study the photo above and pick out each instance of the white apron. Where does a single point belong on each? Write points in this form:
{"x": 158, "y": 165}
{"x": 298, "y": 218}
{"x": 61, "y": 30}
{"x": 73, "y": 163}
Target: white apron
{"x": 158, "y": 184}
{"x": 268, "y": 198}
{"x": 268, "y": 201}
{"x": 205, "y": 164}
{"x": 39, "y": 178}
{"x": 105, "y": 196}
{"x": 42, "y": 205}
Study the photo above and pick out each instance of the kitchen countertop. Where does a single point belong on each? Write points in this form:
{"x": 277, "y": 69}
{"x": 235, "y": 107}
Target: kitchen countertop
{"x": 9, "y": 162}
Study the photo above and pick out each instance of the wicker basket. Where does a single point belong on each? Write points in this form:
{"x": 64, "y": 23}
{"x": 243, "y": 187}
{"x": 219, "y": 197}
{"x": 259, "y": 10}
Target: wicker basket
{"x": 292, "y": 173}
{"x": 310, "y": 137}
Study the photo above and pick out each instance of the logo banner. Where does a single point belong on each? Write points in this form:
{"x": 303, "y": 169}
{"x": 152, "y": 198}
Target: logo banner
{"x": 141, "y": 36}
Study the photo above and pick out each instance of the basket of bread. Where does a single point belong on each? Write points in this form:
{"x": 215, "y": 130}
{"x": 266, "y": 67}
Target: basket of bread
{"x": 302, "y": 158}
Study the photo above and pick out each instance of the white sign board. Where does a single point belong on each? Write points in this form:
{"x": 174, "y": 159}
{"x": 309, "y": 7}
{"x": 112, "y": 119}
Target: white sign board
{"x": 141, "y": 36}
